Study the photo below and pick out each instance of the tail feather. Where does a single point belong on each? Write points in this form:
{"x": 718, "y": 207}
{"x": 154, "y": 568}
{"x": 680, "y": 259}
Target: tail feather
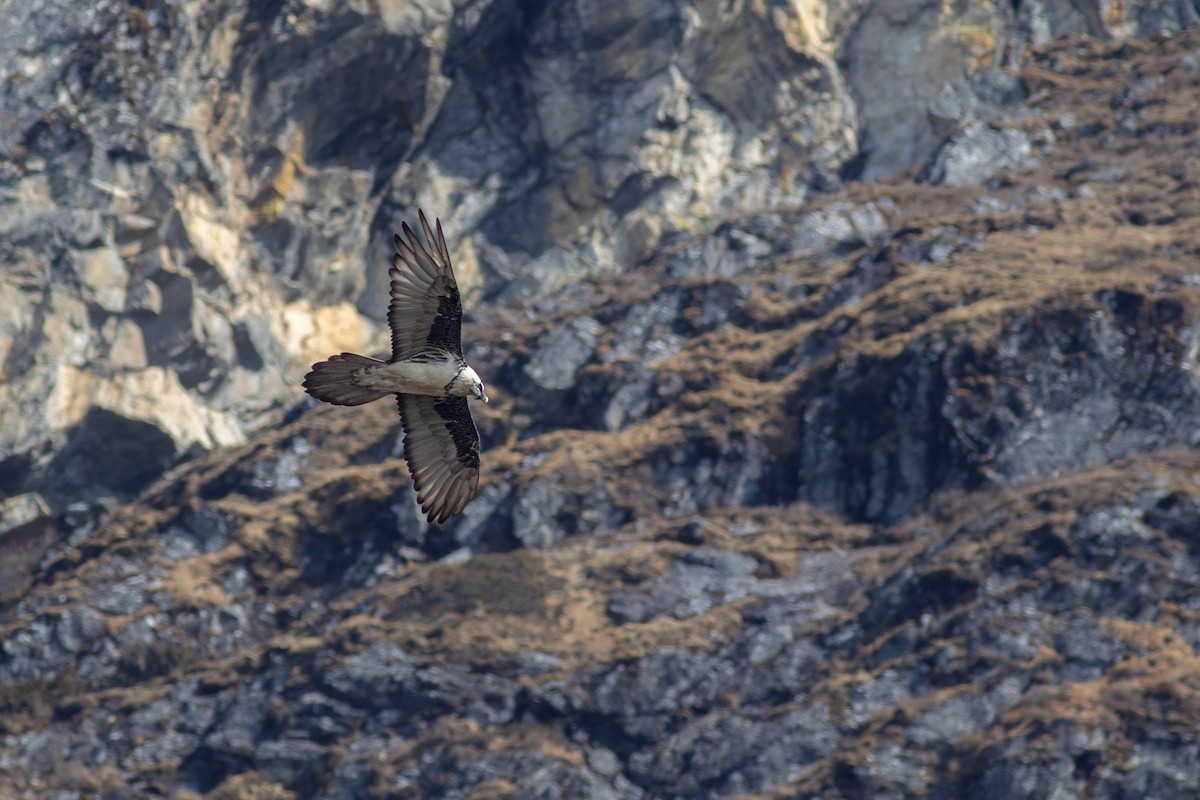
{"x": 333, "y": 381}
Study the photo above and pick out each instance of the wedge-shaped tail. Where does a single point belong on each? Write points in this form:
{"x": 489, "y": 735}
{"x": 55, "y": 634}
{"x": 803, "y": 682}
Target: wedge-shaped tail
{"x": 333, "y": 381}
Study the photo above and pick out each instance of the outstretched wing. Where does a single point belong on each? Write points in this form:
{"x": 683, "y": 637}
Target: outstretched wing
{"x": 441, "y": 446}
{"x": 425, "y": 313}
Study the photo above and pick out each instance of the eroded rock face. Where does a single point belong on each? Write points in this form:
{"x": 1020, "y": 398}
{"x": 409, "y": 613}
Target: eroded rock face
{"x": 196, "y": 200}
{"x": 1061, "y": 389}
{"x": 889, "y": 494}
{"x": 205, "y": 190}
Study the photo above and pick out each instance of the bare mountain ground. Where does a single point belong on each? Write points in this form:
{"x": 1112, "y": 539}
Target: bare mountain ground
{"x": 889, "y": 495}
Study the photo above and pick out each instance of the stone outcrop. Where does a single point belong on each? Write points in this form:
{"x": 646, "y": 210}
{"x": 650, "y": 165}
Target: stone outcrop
{"x": 195, "y": 198}
{"x": 887, "y": 491}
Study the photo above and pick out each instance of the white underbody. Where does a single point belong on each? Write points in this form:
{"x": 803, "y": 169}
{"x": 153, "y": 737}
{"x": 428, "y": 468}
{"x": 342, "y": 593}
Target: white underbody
{"x": 408, "y": 377}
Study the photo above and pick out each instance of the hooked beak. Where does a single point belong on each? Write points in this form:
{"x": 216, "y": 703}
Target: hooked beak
{"x": 482, "y": 396}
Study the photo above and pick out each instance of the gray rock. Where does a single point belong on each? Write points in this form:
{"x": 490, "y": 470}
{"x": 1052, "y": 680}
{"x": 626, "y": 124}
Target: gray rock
{"x": 1088, "y": 650}
{"x": 703, "y": 578}
{"x": 535, "y": 663}
{"x": 950, "y": 721}
{"x": 1044, "y": 422}
{"x": 624, "y": 607}
{"x": 535, "y": 516}
{"x": 377, "y": 667}
{"x": 21, "y": 510}
{"x": 562, "y": 352}
{"x": 125, "y": 597}
{"x": 979, "y": 97}
{"x": 171, "y": 727}
{"x": 839, "y": 228}
{"x": 280, "y": 475}
{"x": 207, "y": 528}
{"x": 383, "y": 671}
{"x": 630, "y": 403}
{"x": 46, "y": 646}
{"x": 291, "y": 760}
{"x": 733, "y": 249}
{"x": 646, "y": 331}
{"x": 978, "y": 153}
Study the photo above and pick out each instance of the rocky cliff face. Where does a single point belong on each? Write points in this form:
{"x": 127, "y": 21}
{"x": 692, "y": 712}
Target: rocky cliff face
{"x": 885, "y": 490}
{"x": 196, "y": 196}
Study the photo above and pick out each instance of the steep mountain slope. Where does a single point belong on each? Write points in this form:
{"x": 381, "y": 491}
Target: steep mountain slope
{"x": 195, "y": 195}
{"x": 888, "y": 495}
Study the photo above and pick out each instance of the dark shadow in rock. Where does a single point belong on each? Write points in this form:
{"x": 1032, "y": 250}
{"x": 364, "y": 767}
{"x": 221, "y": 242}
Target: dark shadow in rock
{"x": 27, "y": 530}
{"x": 14, "y": 473}
{"x": 206, "y": 768}
{"x": 107, "y": 453}
{"x": 347, "y": 555}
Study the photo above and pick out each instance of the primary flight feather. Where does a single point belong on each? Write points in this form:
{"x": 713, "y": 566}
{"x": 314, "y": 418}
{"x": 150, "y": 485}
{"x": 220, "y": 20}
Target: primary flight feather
{"x": 426, "y": 372}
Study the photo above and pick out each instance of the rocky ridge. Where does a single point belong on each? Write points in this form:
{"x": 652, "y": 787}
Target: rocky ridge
{"x": 194, "y": 196}
{"x": 889, "y": 494}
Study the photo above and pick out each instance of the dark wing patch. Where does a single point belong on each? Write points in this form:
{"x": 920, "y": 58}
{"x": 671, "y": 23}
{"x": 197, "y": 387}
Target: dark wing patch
{"x": 425, "y": 312}
{"x": 441, "y": 446}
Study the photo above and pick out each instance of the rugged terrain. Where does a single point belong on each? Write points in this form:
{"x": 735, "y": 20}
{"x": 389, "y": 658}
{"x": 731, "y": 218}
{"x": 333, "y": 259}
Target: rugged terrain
{"x": 196, "y": 195}
{"x": 888, "y": 492}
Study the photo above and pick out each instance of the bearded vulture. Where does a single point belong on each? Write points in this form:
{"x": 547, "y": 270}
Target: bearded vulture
{"x": 426, "y": 372}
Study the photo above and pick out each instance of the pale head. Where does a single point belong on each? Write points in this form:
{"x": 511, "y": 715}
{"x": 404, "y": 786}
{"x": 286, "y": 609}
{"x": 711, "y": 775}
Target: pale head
{"x": 468, "y": 384}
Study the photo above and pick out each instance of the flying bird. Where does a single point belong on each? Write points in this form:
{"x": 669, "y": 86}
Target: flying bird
{"x": 426, "y": 372}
